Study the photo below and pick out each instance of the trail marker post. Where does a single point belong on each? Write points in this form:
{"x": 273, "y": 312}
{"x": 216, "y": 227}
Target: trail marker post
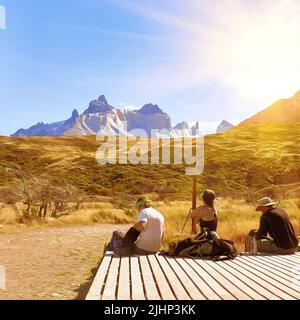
{"x": 194, "y": 193}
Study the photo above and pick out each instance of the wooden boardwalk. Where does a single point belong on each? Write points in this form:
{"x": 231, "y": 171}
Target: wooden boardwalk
{"x": 261, "y": 277}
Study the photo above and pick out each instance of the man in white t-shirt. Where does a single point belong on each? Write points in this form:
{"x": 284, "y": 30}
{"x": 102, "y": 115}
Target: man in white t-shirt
{"x": 151, "y": 224}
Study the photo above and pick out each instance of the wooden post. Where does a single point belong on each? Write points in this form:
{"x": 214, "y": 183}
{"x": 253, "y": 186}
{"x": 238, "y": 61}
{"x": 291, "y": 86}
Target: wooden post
{"x": 194, "y": 195}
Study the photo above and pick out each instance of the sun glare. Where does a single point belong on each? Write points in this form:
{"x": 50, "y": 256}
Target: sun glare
{"x": 249, "y": 48}
{"x": 256, "y": 51}
{"x": 266, "y": 62}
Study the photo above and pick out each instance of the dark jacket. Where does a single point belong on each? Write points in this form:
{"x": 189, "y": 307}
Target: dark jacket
{"x": 277, "y": 224}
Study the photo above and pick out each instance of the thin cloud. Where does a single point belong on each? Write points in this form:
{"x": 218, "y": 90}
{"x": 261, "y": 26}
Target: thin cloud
{"x": 109, "y": 32}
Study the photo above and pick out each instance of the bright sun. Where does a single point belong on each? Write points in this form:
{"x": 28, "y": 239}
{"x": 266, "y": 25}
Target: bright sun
{"x": 248, "y": 47}
{"x": 268, "y": 61}
{"x": 256, "y": 51}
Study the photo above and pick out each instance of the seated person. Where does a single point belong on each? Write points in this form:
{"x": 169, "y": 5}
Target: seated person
{"x": 274, "y": 222}
{"x": 206, "y": 215}
{"x": 145, "y": 236}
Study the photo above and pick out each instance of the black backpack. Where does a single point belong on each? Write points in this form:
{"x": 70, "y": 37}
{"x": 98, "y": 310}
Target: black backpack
{"x": 206, "y": 244}
{"x": 123, "y": 243}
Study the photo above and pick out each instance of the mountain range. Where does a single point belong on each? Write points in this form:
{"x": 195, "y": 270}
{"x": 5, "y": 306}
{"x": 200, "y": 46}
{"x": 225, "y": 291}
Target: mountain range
{"x": 101, "y": 117}
{"x": 259, "y": 157}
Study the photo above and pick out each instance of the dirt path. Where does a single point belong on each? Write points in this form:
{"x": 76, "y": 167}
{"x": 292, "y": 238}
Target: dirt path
{"x": 52, "y": 263}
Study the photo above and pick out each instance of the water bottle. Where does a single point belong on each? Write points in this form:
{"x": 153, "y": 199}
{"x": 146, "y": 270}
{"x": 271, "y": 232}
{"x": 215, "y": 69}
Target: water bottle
{"x": 253, "y": 245}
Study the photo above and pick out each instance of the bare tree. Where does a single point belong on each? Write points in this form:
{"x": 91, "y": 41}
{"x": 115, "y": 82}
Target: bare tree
{"x": 10, "y": 198}
{"x": 39, "y": 196}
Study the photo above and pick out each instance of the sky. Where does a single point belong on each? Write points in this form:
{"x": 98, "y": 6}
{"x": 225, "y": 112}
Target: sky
{"x": 199, "y": 60}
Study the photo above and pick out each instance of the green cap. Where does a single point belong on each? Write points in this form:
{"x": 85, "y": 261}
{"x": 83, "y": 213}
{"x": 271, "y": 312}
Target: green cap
{"x": 141, "y": 202}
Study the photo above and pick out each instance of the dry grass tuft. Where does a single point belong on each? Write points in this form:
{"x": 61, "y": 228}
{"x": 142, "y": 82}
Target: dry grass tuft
{"x": 236, "y": 218}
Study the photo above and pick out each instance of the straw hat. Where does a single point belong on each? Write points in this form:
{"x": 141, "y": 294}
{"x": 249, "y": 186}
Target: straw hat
{"x": 266, "y": 202}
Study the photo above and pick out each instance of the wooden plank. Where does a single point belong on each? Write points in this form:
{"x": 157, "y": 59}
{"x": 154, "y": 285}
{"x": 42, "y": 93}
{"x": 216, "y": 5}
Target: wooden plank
{"x": 137, "y": 287}
{"x": 224, "y": 294}
{"x": 269, "y": 266}
{"x": 229, "y": 286}
{"x": 289, "y": 259}
{"x": 124, "y": 280}
{"x": 295, "y": 257}
{"x": 283, "y": 262}
{"x": 276, "y": 294}
{"x": 188, "y": 284}
{"x": 163, "y": 285}
{"x": 250, "y": 282}
{"x": 110, "y": 287}
{"x": 98, "y": 282}
{"x": 282, "y": 283}
{"x": 198, "y": 281}
{"x": 156, "y": 277}
{"x": 276, "y": 267}
{"x": 179, "y": 291}
{"x": 218, "y": 266}
{"x": 276, "y": 287}
{"x": 148, "y": 280}
{"x": 279, "y": 263}
{"x": 293, "y": 269}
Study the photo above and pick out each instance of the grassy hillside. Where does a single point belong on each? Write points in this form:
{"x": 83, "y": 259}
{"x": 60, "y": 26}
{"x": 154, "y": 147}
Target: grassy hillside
{"x": 282, "y": 111}
{"x": 258, "y": 158}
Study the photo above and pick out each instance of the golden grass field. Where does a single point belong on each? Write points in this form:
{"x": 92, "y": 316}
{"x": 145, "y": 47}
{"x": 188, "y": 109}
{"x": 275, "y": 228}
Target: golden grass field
{"x": 236, "y": 218}
{"x": 256, "y": 160}
{"x": 247, "y": 162}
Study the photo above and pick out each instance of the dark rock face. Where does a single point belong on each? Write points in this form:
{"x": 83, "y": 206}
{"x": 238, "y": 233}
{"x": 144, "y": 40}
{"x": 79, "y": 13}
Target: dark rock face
{"x": 196, "y": 129}
{"x": 97, "y": 106}
{"x": 182, "y": 126}
{"x": 53, "y": 129}
{"x": 148, "y": 121}
{"x": 150, "y": 109}
{"x": 224, "y": 126}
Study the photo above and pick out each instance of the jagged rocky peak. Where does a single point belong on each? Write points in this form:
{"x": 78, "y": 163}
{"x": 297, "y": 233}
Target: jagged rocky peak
{"x": 49, "y": 129}
{"x": 196, "y": 126}
{"x": 75, "y": 114}
{"x": 196, "y": 129}
{"x": 151, "y": 109}
{"x": 100, "y": 116}
{"x": 224, "y": 126}
{"x": 182, "y": 126}
{"x": 100, "y": 105}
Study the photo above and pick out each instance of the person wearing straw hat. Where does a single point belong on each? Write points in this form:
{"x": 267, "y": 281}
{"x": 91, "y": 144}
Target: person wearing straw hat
{"x": 275, "y": 223}
{"x": 150, "y": 224}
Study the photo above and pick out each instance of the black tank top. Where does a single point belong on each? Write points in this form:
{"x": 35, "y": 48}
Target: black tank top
{"x": 211, "y": 225}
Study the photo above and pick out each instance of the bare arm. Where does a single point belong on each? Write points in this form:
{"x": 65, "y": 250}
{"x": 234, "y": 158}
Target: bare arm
{"x": 196, "y": 215}
{"x": 194, "y": 226}
{"x": 140, "y": 226}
